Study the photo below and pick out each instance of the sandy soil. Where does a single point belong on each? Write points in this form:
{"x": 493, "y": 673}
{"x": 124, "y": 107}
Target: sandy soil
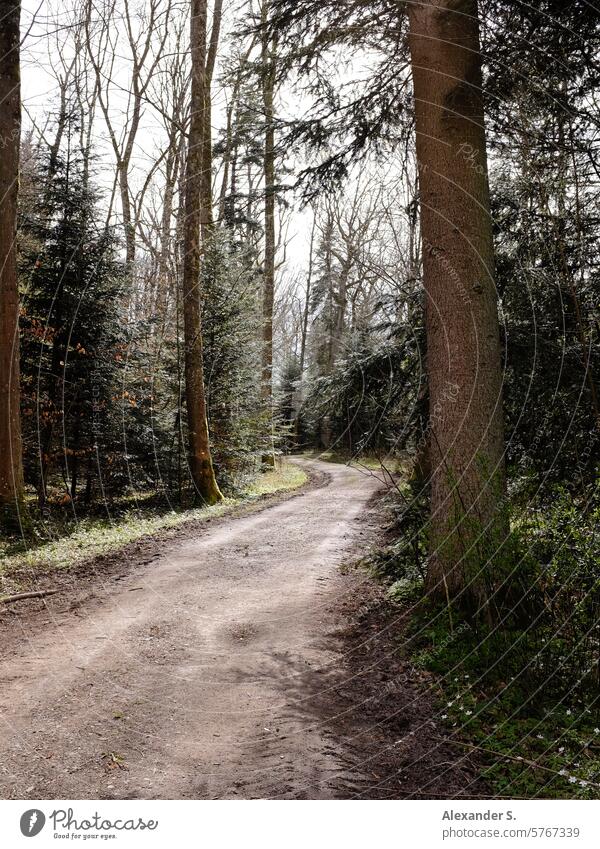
{"x": 193, "y": 674}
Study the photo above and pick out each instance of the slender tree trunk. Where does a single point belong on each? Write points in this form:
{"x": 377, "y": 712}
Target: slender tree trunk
{"x": 167, "y": 211}
{"x": 304, "y": 331}
{"x": 306, "y": 309}
{"x": 468, "y": 518}
{"x": 229, "y": 127}
{"x": 128, "y": 224}
{"x": 11, "y": 464}
{"x": 201, "y": 466}
{"x": 88, "y": 482}
{"x": 209, "y": 59}
{"x": 268, "y": 89}
{"x": 567, "y": 274}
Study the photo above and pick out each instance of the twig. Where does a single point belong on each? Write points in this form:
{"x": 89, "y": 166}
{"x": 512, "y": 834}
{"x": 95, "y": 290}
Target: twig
{"x": 7, "y": 599}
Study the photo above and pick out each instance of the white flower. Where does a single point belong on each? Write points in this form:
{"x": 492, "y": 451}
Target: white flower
{"x": 469, "y": 712}
{"x": 444, "y": 716}
{"x": 569, "y": 712}
{"x": 572, "y": 780}
{"x": 540, "y": 736}
{"x": 596, "y": 730}
{"x": 561, "y": 750}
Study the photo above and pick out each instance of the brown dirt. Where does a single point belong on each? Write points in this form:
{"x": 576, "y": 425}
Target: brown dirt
{"x": 229, "y": 661}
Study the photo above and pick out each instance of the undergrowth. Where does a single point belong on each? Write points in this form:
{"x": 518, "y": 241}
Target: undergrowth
{"x": 524, "y": 692}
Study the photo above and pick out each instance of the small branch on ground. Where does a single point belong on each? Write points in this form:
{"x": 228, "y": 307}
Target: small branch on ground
{"x": 7, "y": 599}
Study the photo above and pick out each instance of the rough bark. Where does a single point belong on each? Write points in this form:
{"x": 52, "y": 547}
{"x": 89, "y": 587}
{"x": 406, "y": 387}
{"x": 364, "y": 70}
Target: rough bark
{"x": 201, "y": 465}
{"x": 11, "y": 466}
{"x": 468, "y": 519}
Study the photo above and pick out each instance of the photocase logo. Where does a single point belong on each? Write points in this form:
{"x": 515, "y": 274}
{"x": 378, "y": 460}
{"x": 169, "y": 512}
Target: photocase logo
{"x": 32, "y": 822}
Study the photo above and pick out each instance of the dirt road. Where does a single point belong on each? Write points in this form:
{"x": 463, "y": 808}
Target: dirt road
{"x": 187, "y": 677}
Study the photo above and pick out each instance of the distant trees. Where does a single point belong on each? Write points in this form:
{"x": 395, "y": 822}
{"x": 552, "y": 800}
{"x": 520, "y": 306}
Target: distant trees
{"x": 11, "y": 468}
{"x": 144, "y": 30}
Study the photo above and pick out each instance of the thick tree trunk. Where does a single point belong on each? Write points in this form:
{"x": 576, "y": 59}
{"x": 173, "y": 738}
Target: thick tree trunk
{"x": 268, "y": 90}
{"x": 466, "y": 441}
{"x": 201, "y": 466}
{"x": 11, "y": 465}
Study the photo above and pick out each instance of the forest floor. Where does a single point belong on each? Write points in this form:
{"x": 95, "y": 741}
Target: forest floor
{"x": 236, "y": 660}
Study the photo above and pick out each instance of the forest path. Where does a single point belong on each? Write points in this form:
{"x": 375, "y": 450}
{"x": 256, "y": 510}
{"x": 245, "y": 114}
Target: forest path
{"x": 194, "y": 674}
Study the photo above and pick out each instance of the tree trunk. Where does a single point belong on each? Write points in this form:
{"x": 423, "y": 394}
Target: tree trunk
{"x": 268, "y": 88}
{"x": 468, "y": 522}
{"x": 307, "y": 297}
{"x": 201, "y": 466}
{"x": 128, "y": 224}
{"x": 207, "y": 224}
{"x": 11, "y": 464}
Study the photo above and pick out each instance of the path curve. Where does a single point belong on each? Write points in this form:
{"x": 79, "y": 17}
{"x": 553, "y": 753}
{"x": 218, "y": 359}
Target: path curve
{"x": 185, "y": 680}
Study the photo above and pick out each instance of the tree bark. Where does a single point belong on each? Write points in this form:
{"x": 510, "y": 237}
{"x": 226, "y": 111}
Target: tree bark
{"x": 468, "y": 523}
{"x": 268, "y": 89}
{"x": 11, "y": 464}
{"x": 201, "y": 465}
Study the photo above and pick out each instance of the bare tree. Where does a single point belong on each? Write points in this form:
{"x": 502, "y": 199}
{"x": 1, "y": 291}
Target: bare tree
{"x": 307, "y": 297}
{"x": 146, "y": 34}
{"x": 228, "y": 157}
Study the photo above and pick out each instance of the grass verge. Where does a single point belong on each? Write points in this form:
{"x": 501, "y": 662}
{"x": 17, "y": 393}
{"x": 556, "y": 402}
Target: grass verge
{"x": 93, "y": 537}
{"x": 391, "y": 465}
